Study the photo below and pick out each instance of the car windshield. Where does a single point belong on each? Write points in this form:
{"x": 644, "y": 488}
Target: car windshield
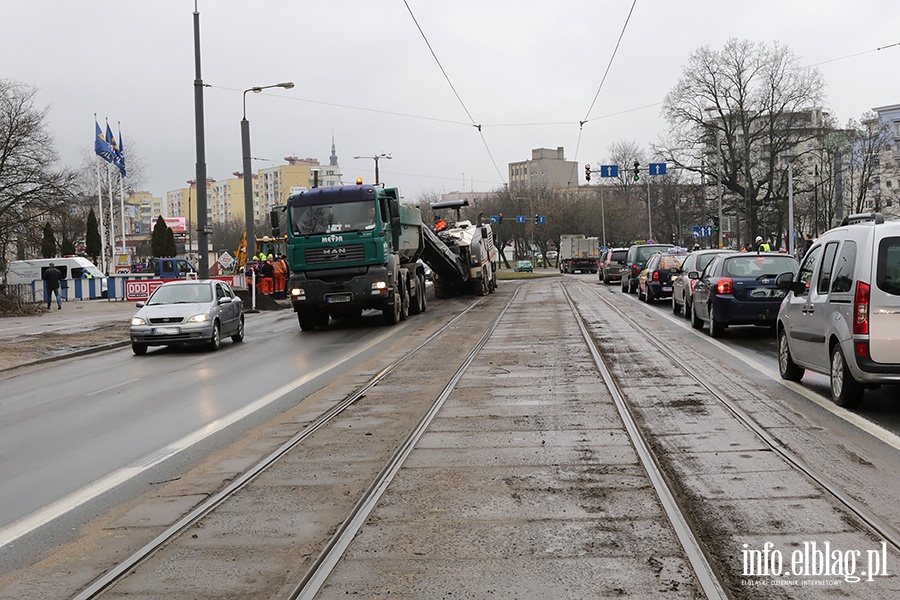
{"x": 181, "y": 294}
{"x": 759, "y": 267}
{"x": 332, "y": 218}
{"x": 619, "y": 255}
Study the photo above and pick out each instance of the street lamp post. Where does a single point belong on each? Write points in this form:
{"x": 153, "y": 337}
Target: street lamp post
{"x": 249, "y": 224}
{"x": 375, "y": 158}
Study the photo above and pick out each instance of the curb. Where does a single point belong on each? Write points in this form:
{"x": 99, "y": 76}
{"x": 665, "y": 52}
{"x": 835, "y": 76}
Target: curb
{"x": 76, "y": 353}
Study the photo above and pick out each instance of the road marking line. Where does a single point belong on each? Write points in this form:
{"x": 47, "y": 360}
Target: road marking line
{"x": 56, "y": 509}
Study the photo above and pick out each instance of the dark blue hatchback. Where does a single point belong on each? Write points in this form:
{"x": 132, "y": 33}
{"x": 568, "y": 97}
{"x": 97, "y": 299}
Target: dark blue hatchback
{"x": 739, "y": 289}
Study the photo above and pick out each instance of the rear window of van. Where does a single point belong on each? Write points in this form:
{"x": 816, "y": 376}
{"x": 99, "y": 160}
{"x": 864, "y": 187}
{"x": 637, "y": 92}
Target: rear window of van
{"x": 887, "y": 276}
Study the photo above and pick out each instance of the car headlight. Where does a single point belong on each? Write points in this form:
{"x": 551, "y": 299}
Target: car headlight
{"x": 137, "y": 321}
{"x": 201, "y": 318}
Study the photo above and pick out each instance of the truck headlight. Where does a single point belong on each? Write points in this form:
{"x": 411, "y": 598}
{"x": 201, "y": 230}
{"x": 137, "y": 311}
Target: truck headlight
{"x": 298, "y": 294}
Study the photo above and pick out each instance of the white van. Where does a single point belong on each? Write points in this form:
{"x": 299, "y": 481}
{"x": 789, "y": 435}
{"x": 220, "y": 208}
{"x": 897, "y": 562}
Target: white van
{"x": 841, "y": 316}
{"x": 72, "y": 267}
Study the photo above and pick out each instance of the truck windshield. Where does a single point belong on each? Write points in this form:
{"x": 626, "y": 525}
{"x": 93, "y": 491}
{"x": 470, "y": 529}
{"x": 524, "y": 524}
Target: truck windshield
{"x": 332, "y": 218}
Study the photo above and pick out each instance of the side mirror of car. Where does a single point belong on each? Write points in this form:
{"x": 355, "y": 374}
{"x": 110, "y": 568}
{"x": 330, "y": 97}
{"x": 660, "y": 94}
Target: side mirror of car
{"x": 786, "y": 282}
{"x": 693, "y": 274}
{"x": 224, "y": 300}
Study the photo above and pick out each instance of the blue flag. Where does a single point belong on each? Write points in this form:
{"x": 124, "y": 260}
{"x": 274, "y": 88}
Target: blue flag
{"x": 101, "y": 146}
{"x": 119, "y": 160}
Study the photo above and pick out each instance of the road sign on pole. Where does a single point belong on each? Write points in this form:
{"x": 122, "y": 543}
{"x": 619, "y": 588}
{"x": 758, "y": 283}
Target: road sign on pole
{"x": 609, "y": 170}
{"x": 656, "y": 168}
{"x": 495, "y": 219}
{"x": 520, "y": 219}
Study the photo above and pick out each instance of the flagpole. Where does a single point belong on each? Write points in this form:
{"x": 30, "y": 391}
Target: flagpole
{"x": 122, "y": 205}
{"x": 102, "y": 227}
{"x": 122, "y": 185}
{"x": 112, "y": 221}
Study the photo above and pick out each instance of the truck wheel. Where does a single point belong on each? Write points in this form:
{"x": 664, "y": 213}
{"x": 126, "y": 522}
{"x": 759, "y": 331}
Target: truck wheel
{"x": 440, "y": 290}
{"x": 322, "y": 319}
{"x": 415, "y": 304}
{"x": 307, "y": 323}
{"x": 485, "y": 284}
{"x": 404, "y": 300}
{"x": 392, "y": 311}
{"x": 423, "y": 296}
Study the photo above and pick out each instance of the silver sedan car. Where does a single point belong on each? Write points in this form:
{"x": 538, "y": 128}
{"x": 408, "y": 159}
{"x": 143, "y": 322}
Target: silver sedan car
{"x": 188, "y": 312}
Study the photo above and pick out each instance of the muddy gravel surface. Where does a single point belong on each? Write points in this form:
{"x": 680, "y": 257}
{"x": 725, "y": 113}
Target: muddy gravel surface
{"x": 525, "y": 485}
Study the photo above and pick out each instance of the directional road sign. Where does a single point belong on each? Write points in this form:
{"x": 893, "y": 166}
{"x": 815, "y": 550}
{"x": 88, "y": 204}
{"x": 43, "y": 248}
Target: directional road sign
{"x": 495, "y": 218}
{"x": 609, "y": 170}
{"x": 657, "y": 168}
{"x": 540, "y": 219}
{"x": 520, "y": 219}
{"x": 699, "y": 231}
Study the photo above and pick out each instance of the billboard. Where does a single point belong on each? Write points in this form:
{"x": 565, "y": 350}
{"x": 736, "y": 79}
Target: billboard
{"x": 176, "y": 224}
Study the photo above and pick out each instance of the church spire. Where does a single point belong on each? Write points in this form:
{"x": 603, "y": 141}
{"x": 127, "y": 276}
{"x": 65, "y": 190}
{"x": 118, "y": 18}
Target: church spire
{"x": 333, "y": 161}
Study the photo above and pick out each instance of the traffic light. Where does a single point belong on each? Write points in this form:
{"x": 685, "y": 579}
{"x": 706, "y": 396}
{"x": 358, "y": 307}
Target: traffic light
{"x": 536, "y": 219}
{"x": 637, "y": 171}
{"x": 587, "y": 172}
{"x": 500, "y": 218}
{"x": 715, "y": 222}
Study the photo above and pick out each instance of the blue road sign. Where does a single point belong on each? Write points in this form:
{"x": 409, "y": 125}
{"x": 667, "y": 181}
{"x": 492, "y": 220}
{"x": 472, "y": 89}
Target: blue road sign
{"x": 657, "y": 168}
{"x": 609, "y": 170}
{"x": 495, "y": 219}
{"x": 520, "y": 219}
{"x": 699, "y": 231}
{"x": 541, "y": 219}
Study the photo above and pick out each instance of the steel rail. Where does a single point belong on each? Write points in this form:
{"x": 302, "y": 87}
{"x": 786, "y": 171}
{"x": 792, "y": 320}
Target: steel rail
{"x": 694, "y": 551}
{"x": 887, "y": 531}
{"x": 328, "y": 559}
{"x": 118, "y": 572}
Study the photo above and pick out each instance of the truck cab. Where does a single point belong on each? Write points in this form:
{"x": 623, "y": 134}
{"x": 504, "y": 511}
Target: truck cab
{"x": 170, "y": 268}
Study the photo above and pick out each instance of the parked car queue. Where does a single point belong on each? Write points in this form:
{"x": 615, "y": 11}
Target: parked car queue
{"x": 834, "y": 312}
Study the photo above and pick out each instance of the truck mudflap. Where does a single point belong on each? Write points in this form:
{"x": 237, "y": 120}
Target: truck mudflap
{"x": 341, "y": 290}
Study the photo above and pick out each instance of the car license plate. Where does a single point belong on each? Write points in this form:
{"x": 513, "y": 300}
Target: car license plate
{"x": 338, "y": 299}
{"x": 667, "y": 289}
{"x": 164, "y": 331}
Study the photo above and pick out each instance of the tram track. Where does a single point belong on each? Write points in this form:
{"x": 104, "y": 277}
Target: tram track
{"x": 885, "y": 530}
{"x": 314, "y": 575}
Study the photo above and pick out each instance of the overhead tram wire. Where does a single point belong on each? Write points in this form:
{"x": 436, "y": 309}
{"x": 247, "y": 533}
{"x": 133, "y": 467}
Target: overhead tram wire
{"x": 825, "y": 62}
{"x": 603, "y": 79}
{"x": 455, "y": 93}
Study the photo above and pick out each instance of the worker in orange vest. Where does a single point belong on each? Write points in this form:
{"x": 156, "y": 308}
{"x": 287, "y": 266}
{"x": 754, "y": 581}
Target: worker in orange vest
{"x": 280, "y": 276}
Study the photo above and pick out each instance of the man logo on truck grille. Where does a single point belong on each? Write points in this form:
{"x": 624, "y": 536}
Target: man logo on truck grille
{"x": 334, "y": 253}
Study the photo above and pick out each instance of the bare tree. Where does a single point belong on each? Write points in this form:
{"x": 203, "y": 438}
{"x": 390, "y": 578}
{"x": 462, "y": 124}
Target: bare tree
{"x": 758, "y": 102}
{"x": 30, "y": 183}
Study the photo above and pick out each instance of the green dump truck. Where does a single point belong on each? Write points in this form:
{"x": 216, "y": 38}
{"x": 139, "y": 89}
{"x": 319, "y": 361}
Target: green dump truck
{"x": 357, "y": 247}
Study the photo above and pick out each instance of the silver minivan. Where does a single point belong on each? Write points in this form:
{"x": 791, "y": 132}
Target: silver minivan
{"x": 841, "y": 316}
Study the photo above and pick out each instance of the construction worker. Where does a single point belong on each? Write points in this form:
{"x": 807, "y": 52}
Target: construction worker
{"x": 762, "y": 246}
{"x": 267, "y": 283}
{"x": 439, "y": 224}
{"x": 280, "y": 276}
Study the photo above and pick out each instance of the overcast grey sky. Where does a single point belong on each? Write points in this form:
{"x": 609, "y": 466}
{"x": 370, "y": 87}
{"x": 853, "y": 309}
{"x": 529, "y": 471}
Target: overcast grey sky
{"x": 526, "y": 71}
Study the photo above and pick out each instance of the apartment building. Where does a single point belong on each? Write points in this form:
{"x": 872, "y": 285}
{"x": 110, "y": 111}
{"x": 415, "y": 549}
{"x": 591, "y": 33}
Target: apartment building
{"x": 546, "y": 167}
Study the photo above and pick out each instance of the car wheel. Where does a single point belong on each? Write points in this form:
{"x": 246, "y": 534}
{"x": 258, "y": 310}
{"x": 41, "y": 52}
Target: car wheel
{"x": 716, "y": 328}
{"x": 696, "y": 321}
{"x": 676, "y": 308}
{"x": 239, "y": 334}
{"x": 687, "y": 308}
{"x": 139, "y": 349}
{"x": 845, "y": 391}
{"x": 786, "y": 365}
{"x": 624, "y": 289}
{"x": 215, "y": 342}
{"x": 648, "y": 296}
